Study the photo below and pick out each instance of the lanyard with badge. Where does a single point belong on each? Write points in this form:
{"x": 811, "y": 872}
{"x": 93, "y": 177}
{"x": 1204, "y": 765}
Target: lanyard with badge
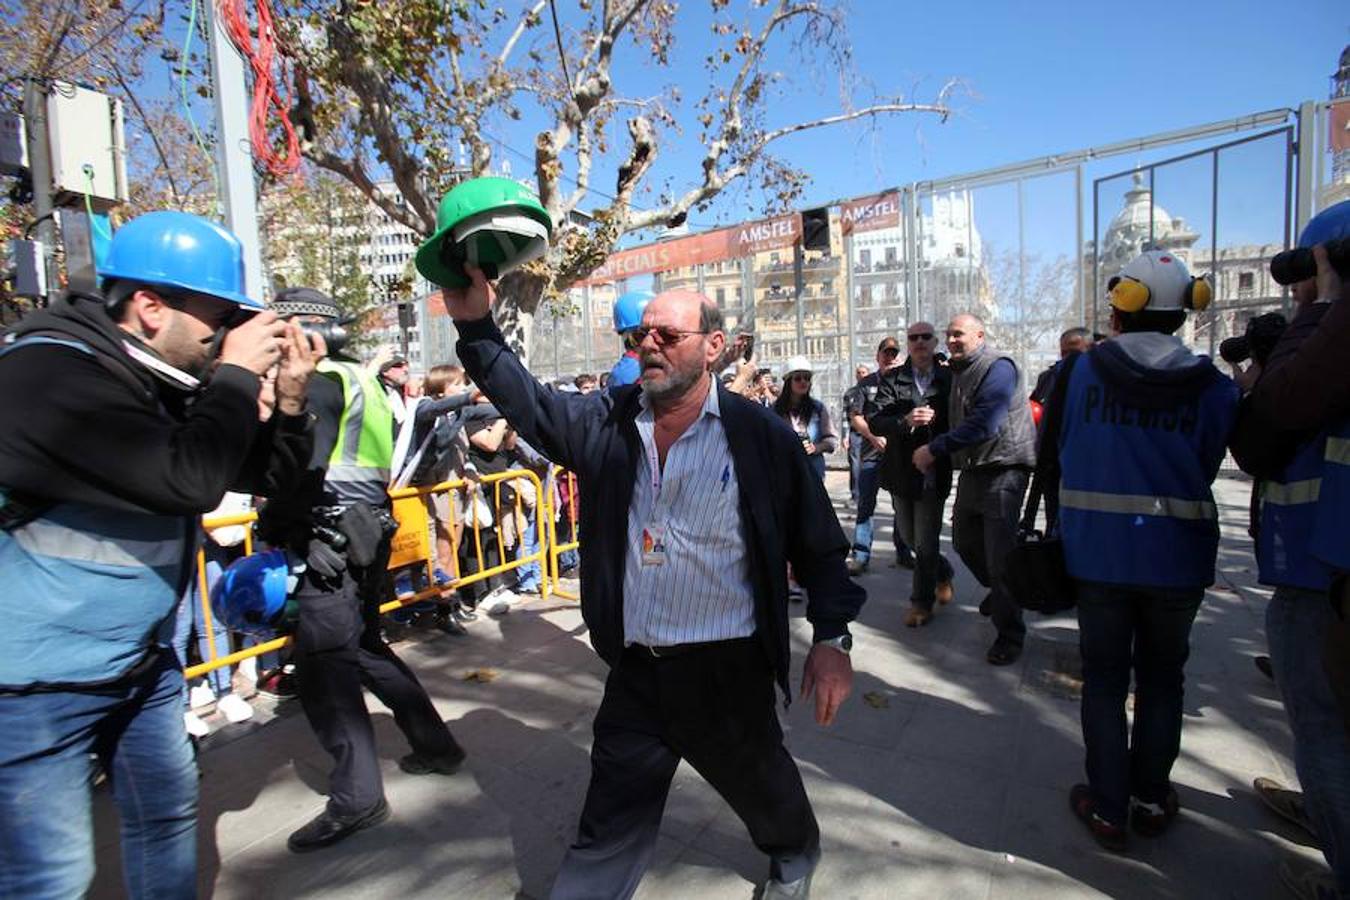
{"x": 654, "y": 533}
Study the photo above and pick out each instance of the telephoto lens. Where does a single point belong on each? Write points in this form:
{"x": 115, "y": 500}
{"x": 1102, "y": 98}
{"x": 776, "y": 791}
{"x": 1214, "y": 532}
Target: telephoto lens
{"x": 334, "y": 335}
{"x": 1293, "y": 266}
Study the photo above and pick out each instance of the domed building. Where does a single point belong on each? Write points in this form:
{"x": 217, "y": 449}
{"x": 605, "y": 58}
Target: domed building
{"x": 1141, "y": 225}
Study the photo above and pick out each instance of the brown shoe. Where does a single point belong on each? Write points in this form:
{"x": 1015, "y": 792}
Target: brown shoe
{"x": 917, "y": 617}
{"x": 945, "y": 593}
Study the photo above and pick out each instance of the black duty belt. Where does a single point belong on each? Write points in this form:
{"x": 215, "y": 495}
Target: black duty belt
{"x": 673, "y": 650}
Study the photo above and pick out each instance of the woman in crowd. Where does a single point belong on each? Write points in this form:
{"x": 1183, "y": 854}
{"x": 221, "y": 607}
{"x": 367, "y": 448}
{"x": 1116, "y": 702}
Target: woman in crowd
{"x": 807, "y": 415}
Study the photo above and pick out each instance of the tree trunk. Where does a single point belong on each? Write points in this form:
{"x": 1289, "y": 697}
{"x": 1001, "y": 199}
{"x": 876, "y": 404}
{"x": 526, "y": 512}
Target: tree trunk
{"x": 518, "y": 297}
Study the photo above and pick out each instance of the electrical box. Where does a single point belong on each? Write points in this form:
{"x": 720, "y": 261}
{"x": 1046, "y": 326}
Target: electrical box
{"x": 13, "y": 144}
{"x": 30, "y": 268}
{"x": 88, "y": 147}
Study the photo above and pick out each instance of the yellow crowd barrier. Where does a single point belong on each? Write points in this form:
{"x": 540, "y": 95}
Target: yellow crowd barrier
{"x": 414, "y": 545}
{"x": 556, "y": 550}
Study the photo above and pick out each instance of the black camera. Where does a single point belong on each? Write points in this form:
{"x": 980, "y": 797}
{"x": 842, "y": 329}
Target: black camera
{"x": 333, "y": 332}
{"x": 1256, "y": 343}
{"x": 1293, "y": 266}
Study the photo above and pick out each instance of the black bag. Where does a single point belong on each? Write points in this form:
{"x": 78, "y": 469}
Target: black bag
{"x": 1036, "y": 575}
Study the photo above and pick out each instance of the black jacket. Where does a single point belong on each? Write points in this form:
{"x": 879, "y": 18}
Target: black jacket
{"x": 785, "y": 511}
{"x": 101, "y": 429}
{"x": 898, "y": 395}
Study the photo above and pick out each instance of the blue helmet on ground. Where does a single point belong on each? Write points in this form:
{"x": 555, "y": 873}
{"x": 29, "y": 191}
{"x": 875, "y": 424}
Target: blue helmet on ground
{"x": 1331, "y": 223}
{"x": 250, "y": 595}
{"x": 180, "y": 251}
{"x": 628, "y": 310}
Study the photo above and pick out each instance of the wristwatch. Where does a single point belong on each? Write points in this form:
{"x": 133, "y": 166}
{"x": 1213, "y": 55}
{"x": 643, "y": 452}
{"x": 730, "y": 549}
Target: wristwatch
{"x": 843, "y": 643}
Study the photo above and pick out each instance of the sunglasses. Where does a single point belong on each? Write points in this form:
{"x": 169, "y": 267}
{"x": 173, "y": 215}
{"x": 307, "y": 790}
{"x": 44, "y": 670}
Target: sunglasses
{"x": 925, "y": 336}
{"x": 800, "y": 377}
{"x": 890, "y": 351}
{"x": 662, "y": 335}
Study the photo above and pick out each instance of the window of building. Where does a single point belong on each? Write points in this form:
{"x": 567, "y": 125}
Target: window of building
{"x": 960, "y": 251}
{"x": 890, "y": 256}
{"x": 865, "y": 295}
{"x": 721, "y": 297}
{"x": 1246, "y": 281}
{"x": 865, "y": 258}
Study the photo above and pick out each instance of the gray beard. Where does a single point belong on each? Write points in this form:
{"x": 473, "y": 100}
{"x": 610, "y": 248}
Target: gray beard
{"x": 676, "y": 386}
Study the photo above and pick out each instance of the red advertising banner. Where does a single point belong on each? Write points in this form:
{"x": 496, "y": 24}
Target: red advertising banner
{"x": 713, "y": 246}
{"x": 870, "y": 213}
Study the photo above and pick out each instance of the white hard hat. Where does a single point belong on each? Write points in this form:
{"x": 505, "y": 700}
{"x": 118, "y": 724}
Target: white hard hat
{"x": 797, "y": 364}
{"x": 1158, "y": 280}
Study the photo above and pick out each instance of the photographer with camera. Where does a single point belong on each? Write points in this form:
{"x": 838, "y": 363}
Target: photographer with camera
{"x": 130, "y": 414}
{"x": 1289, "y": 429}
{"x": 336, "y": 517}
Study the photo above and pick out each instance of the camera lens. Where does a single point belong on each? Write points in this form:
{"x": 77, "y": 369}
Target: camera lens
{"x": 1235, "y": 349}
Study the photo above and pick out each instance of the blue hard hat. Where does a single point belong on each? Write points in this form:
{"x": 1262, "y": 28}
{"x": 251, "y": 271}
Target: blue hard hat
{"x": 179, "y": 250}
{"x": 250, "y": 595}
{"x": 1331, "y": 223}
{"x": 628, "y": 310}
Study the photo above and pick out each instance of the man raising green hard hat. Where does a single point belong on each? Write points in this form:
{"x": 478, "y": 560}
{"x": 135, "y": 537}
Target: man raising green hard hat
{"x": 495, "y": 224}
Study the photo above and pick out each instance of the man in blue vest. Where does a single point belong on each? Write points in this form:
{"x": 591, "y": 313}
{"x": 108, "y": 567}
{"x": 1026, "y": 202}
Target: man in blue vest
{"x": 1292, "y": 436}
{"x": 127, "y": 416}
{"x": 1145, "y": 428}
{"x": 627, "y": 317}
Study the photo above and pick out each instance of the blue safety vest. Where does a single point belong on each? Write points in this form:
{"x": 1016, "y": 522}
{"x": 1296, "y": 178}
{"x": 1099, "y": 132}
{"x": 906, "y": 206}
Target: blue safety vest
{"x": 1135, "y": 501}
{"x": 1331, "y": 528}
{"x": 1288, "y": 509}
{"x": 87, "y": 590}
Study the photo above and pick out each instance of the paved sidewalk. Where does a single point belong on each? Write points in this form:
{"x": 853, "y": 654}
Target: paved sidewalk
{"x": 944, "y": 777}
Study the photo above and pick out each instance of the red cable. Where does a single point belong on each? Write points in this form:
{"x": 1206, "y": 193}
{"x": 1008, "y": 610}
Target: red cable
{"x": 265, "y": 94}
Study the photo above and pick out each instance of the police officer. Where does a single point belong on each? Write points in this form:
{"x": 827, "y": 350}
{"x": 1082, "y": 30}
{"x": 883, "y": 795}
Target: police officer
{"x": 127, "y": 416}
{"x": 1145, "y": 427}
{"x": 627, "y": 317}
{"x": 338, "y": 519}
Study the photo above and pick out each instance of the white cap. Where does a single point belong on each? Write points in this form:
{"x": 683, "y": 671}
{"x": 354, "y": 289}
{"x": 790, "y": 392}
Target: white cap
{"x": 797, "y": 364}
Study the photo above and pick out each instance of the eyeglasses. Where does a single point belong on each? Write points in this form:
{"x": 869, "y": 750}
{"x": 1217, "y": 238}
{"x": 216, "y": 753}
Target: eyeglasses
{"x": 925, "y": 336}
{"x": 662, "y": 335}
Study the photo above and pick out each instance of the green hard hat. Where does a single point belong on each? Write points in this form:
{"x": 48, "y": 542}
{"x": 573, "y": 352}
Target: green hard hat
{"x": 494, "y": 223}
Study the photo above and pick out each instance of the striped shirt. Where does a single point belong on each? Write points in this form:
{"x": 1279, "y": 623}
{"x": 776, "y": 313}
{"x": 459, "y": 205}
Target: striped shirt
{"x": 691, "y": 509}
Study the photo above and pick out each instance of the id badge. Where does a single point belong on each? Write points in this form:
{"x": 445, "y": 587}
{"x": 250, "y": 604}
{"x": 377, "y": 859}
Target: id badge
{"x": 654, "y": 545}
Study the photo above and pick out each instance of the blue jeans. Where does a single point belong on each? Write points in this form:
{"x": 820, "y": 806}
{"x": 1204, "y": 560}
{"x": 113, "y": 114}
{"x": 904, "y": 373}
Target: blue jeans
{"x": 191, "y": 618}
{"x": 869, "y": 471}
{"x": 135, "y": 725}
{"x": 854, "y": 464}
{"x": 1296, "y": 621}
{"x": 527, "y": 576}
{"x": 1122, "y": 627}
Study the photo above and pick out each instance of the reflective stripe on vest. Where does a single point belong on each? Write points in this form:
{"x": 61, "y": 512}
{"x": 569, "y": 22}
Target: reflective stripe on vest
{"x": 1138, "y": 504}
{"x": 365, "y": 444}
{"x": 1295, "y": 493}
{"x": 1288, "y": 510}
{"x": 1331, "y": 524}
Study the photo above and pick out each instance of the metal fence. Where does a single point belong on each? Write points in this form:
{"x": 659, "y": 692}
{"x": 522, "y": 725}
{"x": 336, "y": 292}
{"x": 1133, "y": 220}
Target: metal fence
{"x": 1028, "y": 247}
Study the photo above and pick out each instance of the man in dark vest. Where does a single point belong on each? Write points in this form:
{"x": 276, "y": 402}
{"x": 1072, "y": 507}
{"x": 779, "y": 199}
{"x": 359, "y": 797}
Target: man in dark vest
{"x": 993, "y": 442}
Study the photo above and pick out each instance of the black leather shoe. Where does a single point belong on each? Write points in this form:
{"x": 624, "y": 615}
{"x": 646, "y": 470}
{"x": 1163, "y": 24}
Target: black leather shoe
{"x": 425, "y": 764}
{"x": 1003, "y": 653}
{"x": 327, "y": 829}
{"x": 987, "y": 606}
{"x": 904, "y": 558}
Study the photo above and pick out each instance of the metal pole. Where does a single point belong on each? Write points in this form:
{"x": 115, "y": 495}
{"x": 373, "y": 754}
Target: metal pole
{"x": 1307, "y": 164}
{"x": 1096, "y": 249}
{"x": 1214, "y": 251}
{"x": 1081, "y": 294}
{"x": 40, "y": 169}
{"x": 233, "y": 153}
{"x": 847, "y": 288}
{"x": 797, "y": 279}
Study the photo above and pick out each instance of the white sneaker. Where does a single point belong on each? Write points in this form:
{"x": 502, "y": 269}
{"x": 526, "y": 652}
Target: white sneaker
{"x": 234, "y": 708}
{"x": 194, "y": 725}
{"x": 249, "y": 669}
{"x": 200, "y": 696}
{"x": 500, "y": 601}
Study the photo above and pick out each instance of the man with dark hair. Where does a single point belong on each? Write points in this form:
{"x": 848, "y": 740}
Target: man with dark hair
{"x": 1140, "y": 535}
{"x": 863, "y": 404}
{"x": 993, "y": 442}
{"x": 854, "y": 440}
{"x": 127, "y": 417}
{"x": 585, "y": 383}
{"x": 693, "y": 502}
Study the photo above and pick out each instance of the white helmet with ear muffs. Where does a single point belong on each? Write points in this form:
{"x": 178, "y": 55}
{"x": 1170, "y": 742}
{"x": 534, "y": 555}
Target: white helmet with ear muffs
{"x": 1157, "y": 280}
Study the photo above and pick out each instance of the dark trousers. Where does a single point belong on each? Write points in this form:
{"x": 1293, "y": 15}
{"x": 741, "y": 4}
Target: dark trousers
{"x": 1146, "y": 630}
{"x": 714, "y": 708}
{"x": 338, "y": 650}
{"x": 468, "y": 563}
{"x": 919, "y": 521}
{"x": 984, "y": 528}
